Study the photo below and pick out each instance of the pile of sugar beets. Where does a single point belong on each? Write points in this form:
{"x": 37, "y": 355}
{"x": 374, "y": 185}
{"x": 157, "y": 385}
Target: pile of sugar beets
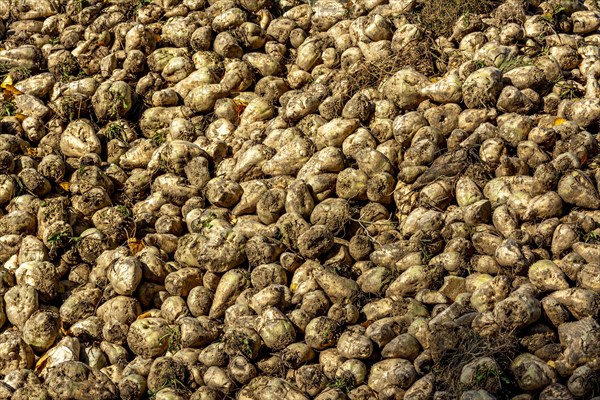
{"x": 258, "y": 200}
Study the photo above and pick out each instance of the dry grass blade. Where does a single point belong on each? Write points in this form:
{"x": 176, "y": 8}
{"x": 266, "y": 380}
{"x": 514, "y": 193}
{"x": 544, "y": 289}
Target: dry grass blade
{"x": 438, "y": 17}
{"x": 502, "y": 348}
{"x": 371, "y": 74}
{"x": 435, "y": 18}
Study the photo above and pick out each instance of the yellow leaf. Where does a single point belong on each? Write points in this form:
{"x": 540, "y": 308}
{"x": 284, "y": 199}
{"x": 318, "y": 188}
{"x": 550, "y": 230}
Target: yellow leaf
{"x": 63, "y": 330}
{"x": 147, "y": 314}
{"x": 240, "y": 105}
{"x": 31, "y": 151}
{"x": 65, "y": 185}
{"x": 7, "y": 81}
{"x": 158, "y": 38}
{"x": 20, "y": 117}
{"x": 10, "y": 90}
{"x": 135, "y": 245}
{"x": 551, "y": 363}
{"x": 240, "y": 102}
{"x": 41, "y": 363}
{"x": 559, "y": 121}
